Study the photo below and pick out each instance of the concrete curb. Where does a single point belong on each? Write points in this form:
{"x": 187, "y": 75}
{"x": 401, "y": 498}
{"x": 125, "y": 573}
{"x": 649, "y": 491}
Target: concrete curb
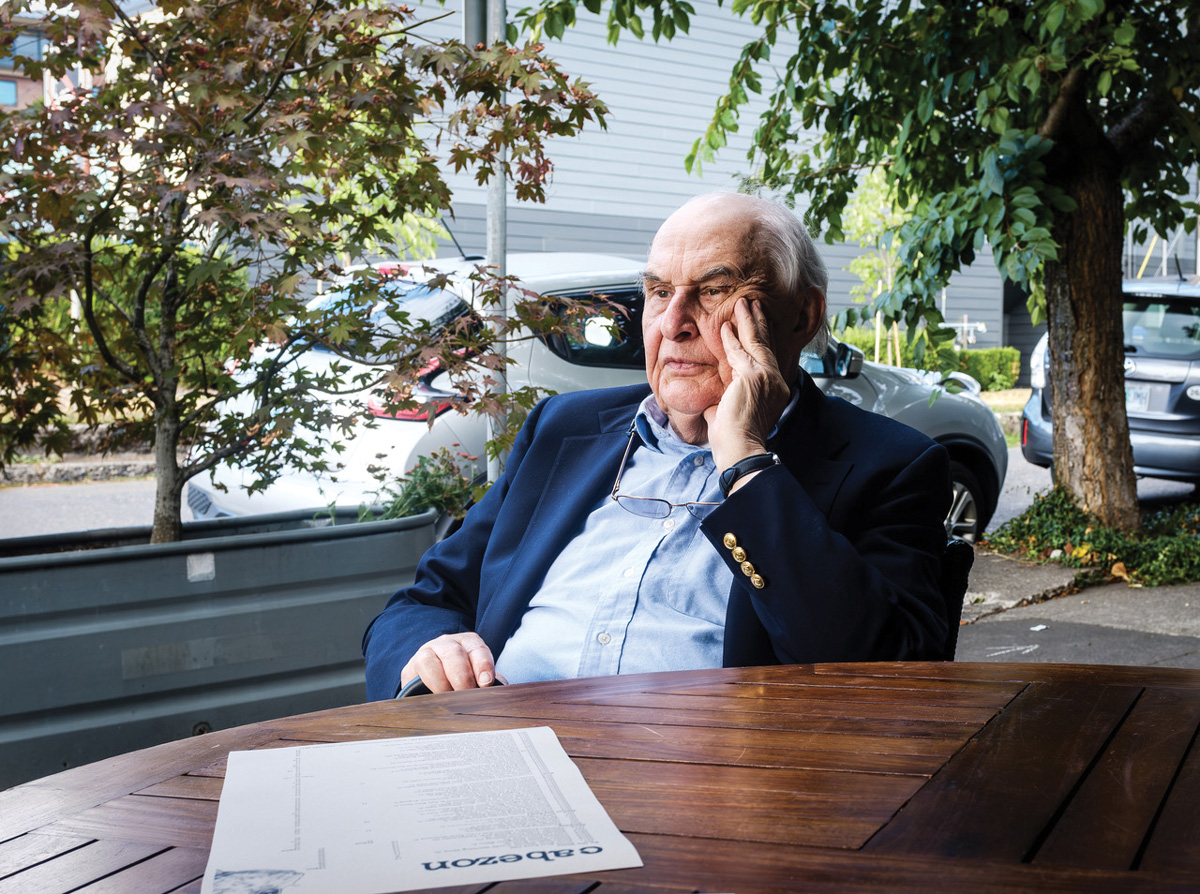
{"x": 999, "y": 583}
{"x": 67, "y": 472}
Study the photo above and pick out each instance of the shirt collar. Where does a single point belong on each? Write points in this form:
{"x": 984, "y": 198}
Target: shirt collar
{"x": 656, "y": 433}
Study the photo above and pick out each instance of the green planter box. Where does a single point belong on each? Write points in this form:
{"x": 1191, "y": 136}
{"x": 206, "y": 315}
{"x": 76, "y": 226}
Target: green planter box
{"x": 109, "y": 643}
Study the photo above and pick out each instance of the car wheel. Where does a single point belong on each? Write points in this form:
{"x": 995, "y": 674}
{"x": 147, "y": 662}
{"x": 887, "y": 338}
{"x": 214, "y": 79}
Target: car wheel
{"x": 962, "y": 520}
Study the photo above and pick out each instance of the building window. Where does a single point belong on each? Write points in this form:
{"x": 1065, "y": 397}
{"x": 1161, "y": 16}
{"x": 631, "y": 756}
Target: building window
{"x": 8, "y": 93}
{"x": 29, "y": 44}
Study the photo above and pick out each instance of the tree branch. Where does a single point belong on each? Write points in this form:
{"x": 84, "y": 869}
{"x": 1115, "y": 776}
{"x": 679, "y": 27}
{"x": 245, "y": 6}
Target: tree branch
{"x": 283, "y": 69}
{"x": 1147, "y": 117}
{"x": 1060, "y": 111}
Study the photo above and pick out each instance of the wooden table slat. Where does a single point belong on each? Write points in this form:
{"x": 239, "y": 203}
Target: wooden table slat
{"x": 161, "y": 874}
{"x": 845, "y": 690}
{"x": 1088, "y": 674}
{"x": 1175, "y": 839}
{"x": 78, "y": 867}
{"x": 751, "y": 711}
{"x": 731, "y": 746}
{"x": 41, "y": 801}
{"x": 1108, "y": 818}
{"x": 27, "y": 850}
{"x": 563, "y": 885}
{"x": 185, "y": 822}
{"x": 893, "y": 726}
{"x": 200, "y": 788}
{"x": 1003, "y": 788}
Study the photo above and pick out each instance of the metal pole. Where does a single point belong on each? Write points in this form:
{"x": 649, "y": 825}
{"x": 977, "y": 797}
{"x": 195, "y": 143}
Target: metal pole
{"x": 497, "y": 239}
{"x": 475, "y": 22}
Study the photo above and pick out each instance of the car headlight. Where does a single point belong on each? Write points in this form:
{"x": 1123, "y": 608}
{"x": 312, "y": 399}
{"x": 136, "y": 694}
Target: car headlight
{"x": 1037, "y": 363}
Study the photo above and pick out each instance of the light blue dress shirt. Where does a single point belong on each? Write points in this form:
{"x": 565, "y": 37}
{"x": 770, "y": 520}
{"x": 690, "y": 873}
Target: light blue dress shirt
{"x": 630, "y": 594}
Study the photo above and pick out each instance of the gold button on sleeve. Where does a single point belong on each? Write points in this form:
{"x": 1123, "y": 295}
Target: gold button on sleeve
{"x": 758, "y": 582}
{"x": 730, "y": 541}
{"x": 739, "y": 554}
{"x": 747, "y": 569}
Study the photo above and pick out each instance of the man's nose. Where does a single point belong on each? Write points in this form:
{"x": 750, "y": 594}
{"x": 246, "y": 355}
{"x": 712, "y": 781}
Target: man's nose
{"x": 679, "y": 318}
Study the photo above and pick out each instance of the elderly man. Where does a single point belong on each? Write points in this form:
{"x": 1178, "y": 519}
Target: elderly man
{"x": 729, "y": 514}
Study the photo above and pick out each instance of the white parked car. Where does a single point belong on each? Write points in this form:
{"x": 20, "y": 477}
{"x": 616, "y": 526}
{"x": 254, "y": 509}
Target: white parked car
{"x": 958, "y": 418}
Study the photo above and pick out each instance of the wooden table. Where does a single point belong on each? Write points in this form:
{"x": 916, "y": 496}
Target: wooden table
{"x": 854, "y": 777}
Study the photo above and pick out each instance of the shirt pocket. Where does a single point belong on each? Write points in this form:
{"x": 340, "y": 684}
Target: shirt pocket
{"x": 690, "y": 577}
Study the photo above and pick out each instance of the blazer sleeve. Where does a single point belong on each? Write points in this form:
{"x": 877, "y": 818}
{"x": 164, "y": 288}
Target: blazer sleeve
{"x": 862, "y": 588}
{"x": 445, "y": 594}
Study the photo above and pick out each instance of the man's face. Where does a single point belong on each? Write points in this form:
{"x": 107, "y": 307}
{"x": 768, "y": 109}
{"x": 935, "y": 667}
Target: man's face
{"x": 702, "y": 261}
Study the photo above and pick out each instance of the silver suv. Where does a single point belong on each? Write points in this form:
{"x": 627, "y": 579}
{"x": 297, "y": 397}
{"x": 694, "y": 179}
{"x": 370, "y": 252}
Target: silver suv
{"x": 1161, "y": 318}
{"x": 602, "y": 357}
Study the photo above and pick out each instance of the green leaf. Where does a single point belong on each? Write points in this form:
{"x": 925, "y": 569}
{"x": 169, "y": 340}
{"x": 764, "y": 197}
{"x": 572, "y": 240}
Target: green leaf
{"x": 1054, "y": 17}
{"x": 993, "y": 180}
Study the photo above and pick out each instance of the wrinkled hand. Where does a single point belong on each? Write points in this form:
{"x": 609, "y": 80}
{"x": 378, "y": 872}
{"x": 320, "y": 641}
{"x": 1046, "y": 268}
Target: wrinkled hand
{"x": 452, "y": 661}
{"x": 740, "y": 422}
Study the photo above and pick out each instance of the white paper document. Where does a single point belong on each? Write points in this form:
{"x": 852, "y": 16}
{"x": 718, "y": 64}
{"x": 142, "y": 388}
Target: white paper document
{"x": 403, "y": 814}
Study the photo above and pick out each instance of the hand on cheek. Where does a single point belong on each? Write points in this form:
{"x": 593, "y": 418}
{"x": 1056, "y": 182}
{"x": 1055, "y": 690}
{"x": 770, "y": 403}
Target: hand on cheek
{"x": 739, "y": 424}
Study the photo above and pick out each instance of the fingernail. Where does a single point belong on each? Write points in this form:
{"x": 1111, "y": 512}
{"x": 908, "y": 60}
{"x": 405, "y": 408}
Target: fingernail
{"x": 485, "y": 679}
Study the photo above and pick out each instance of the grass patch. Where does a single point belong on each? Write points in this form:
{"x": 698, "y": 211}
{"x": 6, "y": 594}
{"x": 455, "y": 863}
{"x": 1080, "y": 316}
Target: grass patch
{"x": 1012, "y": 400}
{"x": 1055, "y": 529}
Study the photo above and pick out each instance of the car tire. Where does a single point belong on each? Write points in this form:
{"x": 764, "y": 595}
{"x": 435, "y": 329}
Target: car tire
{"x": 966, "y": 505}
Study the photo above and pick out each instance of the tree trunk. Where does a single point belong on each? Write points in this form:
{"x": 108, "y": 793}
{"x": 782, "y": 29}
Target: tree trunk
{"x": 1093, "y": 459}
{"x": 168, "y": 499}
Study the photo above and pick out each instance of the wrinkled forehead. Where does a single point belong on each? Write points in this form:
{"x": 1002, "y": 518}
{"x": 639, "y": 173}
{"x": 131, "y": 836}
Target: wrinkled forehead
{"x": 708, "y": 241}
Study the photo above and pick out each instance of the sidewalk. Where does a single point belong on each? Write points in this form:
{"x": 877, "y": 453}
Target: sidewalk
{"x": 1105, "y": 624}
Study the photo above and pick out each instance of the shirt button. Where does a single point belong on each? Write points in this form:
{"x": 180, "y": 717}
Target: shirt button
{"x": 630, "y": 572}
{"x": 669, "y": 523}
{"x": 604, "y": 639}
{"x": 699, "y": 460}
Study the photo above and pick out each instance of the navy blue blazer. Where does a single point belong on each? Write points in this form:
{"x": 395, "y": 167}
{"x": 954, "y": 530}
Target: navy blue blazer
{"x": 846, "y": 536}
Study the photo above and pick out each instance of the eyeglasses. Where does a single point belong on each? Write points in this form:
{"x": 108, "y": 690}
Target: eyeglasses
{"x": 652, "y": 507}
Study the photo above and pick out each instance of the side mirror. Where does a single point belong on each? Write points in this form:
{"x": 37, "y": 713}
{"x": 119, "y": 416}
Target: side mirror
{"x": 847, "y": 362}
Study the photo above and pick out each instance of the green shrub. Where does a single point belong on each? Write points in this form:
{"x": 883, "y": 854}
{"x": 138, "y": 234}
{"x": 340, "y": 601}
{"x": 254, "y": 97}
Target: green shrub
{"x": 1054, "y": 528}
{"x": 996, "y": 369}
{"x": 436, "y": 482}
{"x": 863, "y": 338}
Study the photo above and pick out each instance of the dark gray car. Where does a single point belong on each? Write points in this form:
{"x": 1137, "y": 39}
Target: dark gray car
{"x": 1162, "y": 382}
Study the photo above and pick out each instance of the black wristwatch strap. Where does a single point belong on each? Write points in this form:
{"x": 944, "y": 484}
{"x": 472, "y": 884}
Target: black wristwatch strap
{"x": 744, "y": 467}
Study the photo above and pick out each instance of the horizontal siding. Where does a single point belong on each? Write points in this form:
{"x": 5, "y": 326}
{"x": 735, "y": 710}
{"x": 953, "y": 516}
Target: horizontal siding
{"x": 660, "y": 98}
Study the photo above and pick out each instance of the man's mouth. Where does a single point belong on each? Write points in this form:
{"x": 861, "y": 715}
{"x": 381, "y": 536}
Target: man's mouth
{"x": 678, "y": 364}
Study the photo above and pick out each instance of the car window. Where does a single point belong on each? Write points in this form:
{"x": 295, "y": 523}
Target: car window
{"x": 422, "y": 304}
{"x": 612, "y": 337}
{"x": 1162, "y": 326}
{"x": 815, "y": 364}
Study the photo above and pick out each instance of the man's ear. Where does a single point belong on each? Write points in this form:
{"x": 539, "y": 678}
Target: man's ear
{"x": 812, "y": 315}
